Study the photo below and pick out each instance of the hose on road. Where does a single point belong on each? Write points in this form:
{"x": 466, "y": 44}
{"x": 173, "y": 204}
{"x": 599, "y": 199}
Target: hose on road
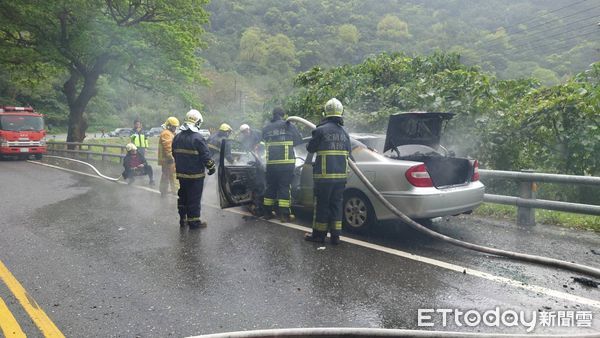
{"x": 498, "y": 252}
{"x": 87, "y": 164}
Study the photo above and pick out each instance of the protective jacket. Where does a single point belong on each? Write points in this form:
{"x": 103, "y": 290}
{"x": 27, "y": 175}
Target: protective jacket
{"x": 214, "y": 145}
{"x": 191, "y": 155}
{"x": 165, "y": 147}
{"x": 138, "y": 137}
{"x": 331, "y": 144}
{"x": 280, "y": 137}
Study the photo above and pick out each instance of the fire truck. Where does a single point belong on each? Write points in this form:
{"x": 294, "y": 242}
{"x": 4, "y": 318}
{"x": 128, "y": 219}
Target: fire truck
{"x": 22, "y": 132}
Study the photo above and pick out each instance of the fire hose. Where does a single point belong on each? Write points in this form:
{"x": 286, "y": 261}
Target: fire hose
{"x": 87, "y": 164}
{"x": 498, "y": 252}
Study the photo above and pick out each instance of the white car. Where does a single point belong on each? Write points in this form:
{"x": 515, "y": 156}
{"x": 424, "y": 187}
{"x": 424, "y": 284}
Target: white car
{"x": 408, "y": 169}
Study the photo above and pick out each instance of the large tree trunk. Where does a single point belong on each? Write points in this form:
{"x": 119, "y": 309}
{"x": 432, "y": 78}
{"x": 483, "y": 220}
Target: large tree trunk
{"x": 78, "y": 101}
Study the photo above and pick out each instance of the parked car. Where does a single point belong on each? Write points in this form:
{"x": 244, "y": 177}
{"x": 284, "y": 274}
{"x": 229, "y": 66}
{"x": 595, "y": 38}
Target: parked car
{"x": 410, "y": 169}
{"x": 155, "y": 131}
{"x": 120, "y": 132}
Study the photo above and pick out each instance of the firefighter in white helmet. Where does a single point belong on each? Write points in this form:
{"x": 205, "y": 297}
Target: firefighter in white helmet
{"x": 165, "y": 156}
{"x": 331, "y": 144}
{"x": 192, "y": 159}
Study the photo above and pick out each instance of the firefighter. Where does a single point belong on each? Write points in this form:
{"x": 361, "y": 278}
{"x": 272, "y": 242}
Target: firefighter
{"x": 331, "y": 144}
{"x": 249, "y": 138}
{"x": 279, "y": 137}
{"x": 139, "y": 137}
{"x": 215, "y": 140}
{"x": 192, "y": 157}
{"x": 165, "y": 156}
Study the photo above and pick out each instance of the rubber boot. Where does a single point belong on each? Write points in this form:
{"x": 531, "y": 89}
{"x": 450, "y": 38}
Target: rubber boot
{"x": 335, "y": 237}
{"x": 316, "y": 236}
{"x": 288, "y": 218}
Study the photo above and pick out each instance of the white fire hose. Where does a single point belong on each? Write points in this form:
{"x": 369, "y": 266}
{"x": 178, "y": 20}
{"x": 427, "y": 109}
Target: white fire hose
{"x": 504, "y": 253}
{"x": 87, "y": 164}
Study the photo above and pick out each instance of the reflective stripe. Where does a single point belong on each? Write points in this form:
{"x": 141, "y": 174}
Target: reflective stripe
{"x": 214, "y": 147}
{"x": 320, "y": 226}
{"x": 187, "y": 151}
{"x": 193, "y": 219}
{"x": 337, "y": 225}
{"x": 268, "y": 201}
{"x": 290, "y": 161}
{"x": 284, "y": 203}
{"x": 333, "y": 152}
{"x": 280, "y": 143}
{"x": 179, "y": 175}
{"x": 330, "y": 175}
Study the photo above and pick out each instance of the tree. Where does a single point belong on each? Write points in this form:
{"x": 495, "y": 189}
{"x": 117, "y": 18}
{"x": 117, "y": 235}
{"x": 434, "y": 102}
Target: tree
{"x": 348, "y": 34}
{"x": 392, "y": 28}
{"x": 149, "y": 43}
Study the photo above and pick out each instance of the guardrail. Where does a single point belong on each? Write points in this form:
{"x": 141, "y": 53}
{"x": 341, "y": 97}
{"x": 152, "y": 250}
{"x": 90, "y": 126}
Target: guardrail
{"x": 84, "y": 150}
{"x": 526, "y": 203}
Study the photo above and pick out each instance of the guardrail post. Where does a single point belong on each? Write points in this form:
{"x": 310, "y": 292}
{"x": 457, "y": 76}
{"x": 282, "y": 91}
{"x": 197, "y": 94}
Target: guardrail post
{"x": 525, "y": 215}
{"x": 103, "y": 152}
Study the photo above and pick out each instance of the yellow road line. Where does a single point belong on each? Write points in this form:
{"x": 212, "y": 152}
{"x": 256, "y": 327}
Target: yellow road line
{"x": 39, "y": 317}
{"x": 8, "y": 323}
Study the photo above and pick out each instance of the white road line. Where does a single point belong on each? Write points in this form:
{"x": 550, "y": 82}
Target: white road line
{"x": 448, "y": 266}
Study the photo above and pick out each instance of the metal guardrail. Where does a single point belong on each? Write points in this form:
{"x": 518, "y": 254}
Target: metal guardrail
{"x": 85, "y": 150}
{"x": 526, "y": 203}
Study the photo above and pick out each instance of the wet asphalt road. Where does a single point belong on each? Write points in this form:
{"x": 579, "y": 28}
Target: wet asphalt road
{"x": 103, "y": 259}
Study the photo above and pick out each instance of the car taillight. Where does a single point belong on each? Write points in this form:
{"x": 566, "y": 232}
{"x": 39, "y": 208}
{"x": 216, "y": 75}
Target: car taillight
{"x": 418, "y": 176}
{"x": 475, "y": 176}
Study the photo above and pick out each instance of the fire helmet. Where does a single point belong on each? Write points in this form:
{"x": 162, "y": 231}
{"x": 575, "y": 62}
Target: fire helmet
{"x": 172, "y": 122}
{"x": 225, "y": 127}
{"x": 334, "y": 107}
{"x": 130, "y": 146}
{"x": 194, "y": 117}
{"x": 244, "y": 127}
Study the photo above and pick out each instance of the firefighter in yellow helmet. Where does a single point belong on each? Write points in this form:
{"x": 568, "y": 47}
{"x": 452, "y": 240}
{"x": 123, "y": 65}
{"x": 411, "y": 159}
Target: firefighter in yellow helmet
{"x": 165, "y": 157}
{"x": 331, "y": 144}
{"x": 215, "y": 140}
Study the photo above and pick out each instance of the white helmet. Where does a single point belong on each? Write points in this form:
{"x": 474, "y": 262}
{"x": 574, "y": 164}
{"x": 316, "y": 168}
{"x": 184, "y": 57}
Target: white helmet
{"x": 244, "y": 127}
{"x": 130, "y": 146}
{"x": 194, "y": 117}
{"x": 334, "y": 107}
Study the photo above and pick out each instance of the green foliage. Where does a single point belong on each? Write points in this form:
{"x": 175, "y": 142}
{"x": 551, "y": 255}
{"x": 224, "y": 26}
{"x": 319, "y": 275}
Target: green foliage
{"x": 392, "y": 28}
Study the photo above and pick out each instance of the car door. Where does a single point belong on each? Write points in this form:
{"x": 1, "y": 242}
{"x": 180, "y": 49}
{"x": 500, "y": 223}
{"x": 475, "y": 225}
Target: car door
{"x": 240, "y": 182}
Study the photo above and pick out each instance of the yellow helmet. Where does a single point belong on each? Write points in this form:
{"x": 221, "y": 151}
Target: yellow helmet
{"x": 225, "y": 127}
{"x": 172, "y": 121}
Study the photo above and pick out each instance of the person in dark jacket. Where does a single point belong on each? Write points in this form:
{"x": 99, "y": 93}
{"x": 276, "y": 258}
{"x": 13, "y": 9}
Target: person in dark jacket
{"x": 192, "y": 158}
{"x": 331, "y": 144}
{"x": 136, "y": 165}
{"x": 250, "y": 140}
{"x": 215, "y": 140}
{"x": 280, "y": 137}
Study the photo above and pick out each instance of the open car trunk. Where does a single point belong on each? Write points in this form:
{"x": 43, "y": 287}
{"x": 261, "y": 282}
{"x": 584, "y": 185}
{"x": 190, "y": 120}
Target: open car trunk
{"x": 444, "y": 171}
{"x": 422, "y": 131}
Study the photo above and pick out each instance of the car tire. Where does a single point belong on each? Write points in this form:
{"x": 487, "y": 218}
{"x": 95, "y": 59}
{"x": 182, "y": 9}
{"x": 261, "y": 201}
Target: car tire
{"x": 358, "y": 214}
{"x": 38, "y": 156}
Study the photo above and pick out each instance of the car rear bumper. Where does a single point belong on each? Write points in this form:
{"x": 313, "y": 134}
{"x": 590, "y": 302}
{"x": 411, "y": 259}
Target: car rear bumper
{"x": 431, "y": 202}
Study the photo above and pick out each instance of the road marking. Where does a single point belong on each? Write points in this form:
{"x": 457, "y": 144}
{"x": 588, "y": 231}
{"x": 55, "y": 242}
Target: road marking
{"x": 407, "y": 255}
{"x": 39, "y": 317}
{"x": 9, "y": 325}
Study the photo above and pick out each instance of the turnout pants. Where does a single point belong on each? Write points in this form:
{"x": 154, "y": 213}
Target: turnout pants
{"x": 188, "y": 204}
{"x": 167, "y": 178}
{"x": 328, "y": 199}
{"x": 278, "y": 191}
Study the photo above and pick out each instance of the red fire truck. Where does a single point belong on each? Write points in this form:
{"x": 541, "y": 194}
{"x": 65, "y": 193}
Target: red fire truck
{"x": 22, "y": 132}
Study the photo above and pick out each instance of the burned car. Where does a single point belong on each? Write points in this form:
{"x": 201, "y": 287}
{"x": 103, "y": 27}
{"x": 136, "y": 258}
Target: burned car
{"x": 407, "y": 165}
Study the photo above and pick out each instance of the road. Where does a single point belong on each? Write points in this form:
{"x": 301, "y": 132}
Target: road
{"x": 106, "y": 259}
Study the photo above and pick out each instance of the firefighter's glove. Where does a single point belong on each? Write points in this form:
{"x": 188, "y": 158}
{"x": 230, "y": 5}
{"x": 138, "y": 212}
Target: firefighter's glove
{"x": 211, "y": 170}
{"x": 211, "y": 167}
